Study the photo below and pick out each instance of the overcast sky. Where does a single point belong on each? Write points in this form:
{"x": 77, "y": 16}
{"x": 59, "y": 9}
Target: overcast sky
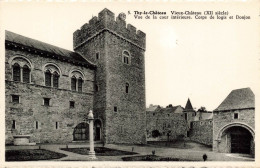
{"x": 198, "y": 59}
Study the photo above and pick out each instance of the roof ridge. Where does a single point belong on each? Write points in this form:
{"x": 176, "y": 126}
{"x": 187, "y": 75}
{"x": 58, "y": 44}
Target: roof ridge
{"x": 38, "y": 41}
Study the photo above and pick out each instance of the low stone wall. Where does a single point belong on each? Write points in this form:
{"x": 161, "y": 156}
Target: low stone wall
{"x": 202, "y": 131}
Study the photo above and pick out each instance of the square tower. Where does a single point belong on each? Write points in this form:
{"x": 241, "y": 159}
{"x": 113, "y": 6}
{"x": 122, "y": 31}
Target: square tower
{"x": 119, "y": 100}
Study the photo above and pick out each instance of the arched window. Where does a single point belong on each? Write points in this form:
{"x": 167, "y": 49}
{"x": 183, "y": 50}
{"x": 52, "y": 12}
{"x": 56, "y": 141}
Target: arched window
{"x": 127, "y": 87}
{"x": 80, "y": 81}
{"x": 73, "y": 83}
{"x": 16, "y": 72}
{"x": 47, "y": 78}
{"x": 56, "y": 79}
{"x": 26, "y": 74}
{"x": 126, "y": 57}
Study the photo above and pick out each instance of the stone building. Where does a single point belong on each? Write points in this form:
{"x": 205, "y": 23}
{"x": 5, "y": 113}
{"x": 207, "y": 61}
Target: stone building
{"x": 201, "y": 128}
{"x": 234, "y": 123}
{"x": 199, "y": 124}
{"x": 165, "y": 124}
{"x": 49, "y": 90}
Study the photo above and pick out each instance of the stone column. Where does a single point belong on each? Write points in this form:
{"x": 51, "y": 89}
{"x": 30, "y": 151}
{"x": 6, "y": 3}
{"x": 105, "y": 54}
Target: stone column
{"x": 21, "y": 74}
{"x": 91, "y": 136}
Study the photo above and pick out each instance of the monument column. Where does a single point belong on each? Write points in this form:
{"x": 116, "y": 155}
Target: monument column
{"x": 91, "y": 135}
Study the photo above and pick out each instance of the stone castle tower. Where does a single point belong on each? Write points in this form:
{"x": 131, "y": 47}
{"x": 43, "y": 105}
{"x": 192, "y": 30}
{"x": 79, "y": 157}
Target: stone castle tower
{"x": 118, "y": 51}
{"x": 189, "y": 113}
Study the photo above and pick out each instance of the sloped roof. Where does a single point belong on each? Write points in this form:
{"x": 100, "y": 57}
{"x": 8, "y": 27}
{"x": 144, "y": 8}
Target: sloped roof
{"x": 57, "y": 51}
{"x": 152, "y": 108}
{"x": 238, "y": 99}
{"x": 188, "y": 106}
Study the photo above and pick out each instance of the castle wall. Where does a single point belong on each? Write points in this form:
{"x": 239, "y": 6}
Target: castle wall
{"x": 31, "y": 109}
{"x": 202, "y": 131}
{"x": 164, "y": 122}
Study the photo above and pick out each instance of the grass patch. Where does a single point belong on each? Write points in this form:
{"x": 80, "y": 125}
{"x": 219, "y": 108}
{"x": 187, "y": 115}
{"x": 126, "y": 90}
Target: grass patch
{"x": 31, "y": 155}
{"x": 100, "y": 151}
{"x": 151, "y": 158}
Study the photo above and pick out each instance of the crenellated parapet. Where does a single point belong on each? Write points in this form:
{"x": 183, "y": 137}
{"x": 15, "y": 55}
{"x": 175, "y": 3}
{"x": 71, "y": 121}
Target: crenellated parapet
{"x": 106, "y": 22}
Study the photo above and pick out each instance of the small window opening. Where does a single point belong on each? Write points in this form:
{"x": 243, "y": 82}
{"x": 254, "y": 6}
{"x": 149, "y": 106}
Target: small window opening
{"x": 13, "y": 124}
{"x": 127, "y": 87}
{"x": 115, "y": 109}
{"x": 235, "y": 115}
{"x": 57, "y": 125}
{"x": 72, "y": 104}
{"x": 46, "y": 101}
{"x": 36, "y": 125}
{"x": 15, "y": 99}
{"x": 186, "y": 116}
{"x": 97, "y": 55}
{"x": 96, "y": 88}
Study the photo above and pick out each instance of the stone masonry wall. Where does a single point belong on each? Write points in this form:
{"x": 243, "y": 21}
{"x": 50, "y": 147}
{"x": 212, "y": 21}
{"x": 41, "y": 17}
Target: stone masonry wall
{"x": 110, "y": 38}
{"x": 31, "y": 109}
{"x": 221, "y": 119}
{"x": 172, "y": 123}
{"x": 202, "y": 131}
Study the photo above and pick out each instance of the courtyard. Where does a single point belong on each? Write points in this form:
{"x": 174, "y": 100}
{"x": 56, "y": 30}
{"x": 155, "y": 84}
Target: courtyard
{"x": 191, "y": 151}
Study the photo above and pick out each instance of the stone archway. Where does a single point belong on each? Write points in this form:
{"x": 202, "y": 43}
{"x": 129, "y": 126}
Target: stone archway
{"x": 236, "y": 138}
{"x": 81, "y": 132}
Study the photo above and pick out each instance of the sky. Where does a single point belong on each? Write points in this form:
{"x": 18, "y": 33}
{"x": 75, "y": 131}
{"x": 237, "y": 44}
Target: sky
{"x": 203, "y": 60}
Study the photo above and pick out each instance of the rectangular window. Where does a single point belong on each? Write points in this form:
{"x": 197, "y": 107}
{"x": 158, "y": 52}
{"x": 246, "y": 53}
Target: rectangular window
{"x": 80, "y": 81}
{"x": 115, "y": 109}
{"x": 13, "y": 124}
{"x": 73, "y": 83}
{"x": 47, "y": 78}
{"x": 55, "y": 81}
{"x": 97, "y": 55}
{"x": 46, "y": 101}
{"x": 235, "y": 115}
{"x": 72, "y": 104}
{"x": 57, "y": 125}
{"x": 36, "y": 125}
{"x": 26, "y": 74}
{"x": 186, "y": 116}
{"x": 15, "y": 99}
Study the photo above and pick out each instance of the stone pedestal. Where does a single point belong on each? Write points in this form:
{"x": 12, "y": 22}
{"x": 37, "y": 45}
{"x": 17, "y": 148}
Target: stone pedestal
{"x": 22, "y": 140}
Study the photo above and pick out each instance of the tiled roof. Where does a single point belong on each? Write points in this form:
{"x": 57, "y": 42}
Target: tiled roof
{"x": 238, "y": 99}
{"x": 188, "y": 106}
{"x": 44, "y": 47}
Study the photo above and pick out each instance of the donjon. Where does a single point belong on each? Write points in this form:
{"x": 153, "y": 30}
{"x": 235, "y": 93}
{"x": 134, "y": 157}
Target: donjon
{"x": 49, "y": 90}
{"x": 118, "y": 51}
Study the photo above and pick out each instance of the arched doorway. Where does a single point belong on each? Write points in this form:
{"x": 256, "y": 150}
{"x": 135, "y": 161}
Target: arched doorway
{"x": 236, "y": 138}
{"x": 81, "y": 132}
{"x": 97, "y": 126}
{"x": 240, "y": 140}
